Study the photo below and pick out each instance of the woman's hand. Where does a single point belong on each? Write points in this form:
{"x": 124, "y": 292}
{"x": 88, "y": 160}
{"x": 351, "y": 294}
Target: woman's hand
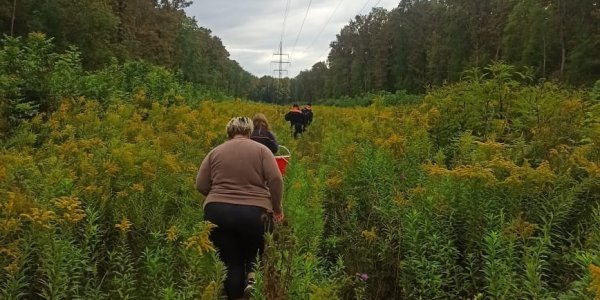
{"x": 278, "y": 217}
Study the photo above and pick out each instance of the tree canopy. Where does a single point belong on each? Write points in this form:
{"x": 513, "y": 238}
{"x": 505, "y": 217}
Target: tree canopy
{"x": 428, "y": 42}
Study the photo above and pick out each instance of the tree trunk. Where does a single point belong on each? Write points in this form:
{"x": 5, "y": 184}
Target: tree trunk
{"x": 563, "y": 52}
{"x": 12, "y": 21}
{"x": 544, "y": 57}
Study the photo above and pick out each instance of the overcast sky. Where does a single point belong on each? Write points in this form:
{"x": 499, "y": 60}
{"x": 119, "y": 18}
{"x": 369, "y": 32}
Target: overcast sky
{"x": 251, "y": 29}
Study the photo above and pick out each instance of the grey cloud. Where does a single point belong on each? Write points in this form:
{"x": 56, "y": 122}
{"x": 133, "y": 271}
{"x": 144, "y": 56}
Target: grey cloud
{"x": 251, "y": 29}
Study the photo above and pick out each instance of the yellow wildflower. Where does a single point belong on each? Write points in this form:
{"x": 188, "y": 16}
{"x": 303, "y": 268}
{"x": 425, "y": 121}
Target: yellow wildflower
{"x": 69, "y": 130}
{"x": 181, "y": 128}
{"x": 433, "y": 114}
{"x": 501, "y": 163}
{"x": 138, "y": 187}
{"x": 8, "y": 226}
{"x": 417, "y": 191}
{"x": 12, "y": 268}
{"x": 12, "y": 254}
{"x": 595, "y": 284}
{"x": 350, "y": 203}
{"x": 396, "y": 143}
{"x": 124, "y": 225}
{"x": 191, "y": 168}
{"x": 211, "y": 291}
{"x": 3, "y": 173}
{"x": 513, "y": 180}
{"x": 40, "y": 218}
{"x": 171, "y": 163}
{"x": 334, "y": 181}
{"x": 520, "y": 228}
{"x": 11, "y": 251}
{"x": 122, "y": 194}
{"x": 200, "y": 241}
{"x": 71, "y": 207}
{"x": 148, "y": 170}
{"x": 111, "y": 168}
{"x": 172, "y": 233}
{"x": 434, "y": 170}
{"x": 475, "y": 172}
{"x": 210, "y": 138}
{"x": 92, "y": 188}
{"x": 369, "y": 235}
{"x": 543, "y": 174}
{"x": 400, "y": 200}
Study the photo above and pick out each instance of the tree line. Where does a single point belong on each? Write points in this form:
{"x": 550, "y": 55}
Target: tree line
{"x": 418, "y": 44}
{"x": 157, "y": 31}
{"x": 429, "y": 42}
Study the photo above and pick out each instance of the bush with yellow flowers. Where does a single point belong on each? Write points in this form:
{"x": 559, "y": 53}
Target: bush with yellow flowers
{"x": 469, "y": 194}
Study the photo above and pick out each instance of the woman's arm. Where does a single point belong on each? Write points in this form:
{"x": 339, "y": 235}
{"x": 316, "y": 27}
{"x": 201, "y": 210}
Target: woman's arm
{"x": 203, "y": 179}
{"x": 272, "y": 142}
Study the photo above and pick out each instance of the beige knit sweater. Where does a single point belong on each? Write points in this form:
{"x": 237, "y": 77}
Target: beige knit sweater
{"x": 241, "y": 171}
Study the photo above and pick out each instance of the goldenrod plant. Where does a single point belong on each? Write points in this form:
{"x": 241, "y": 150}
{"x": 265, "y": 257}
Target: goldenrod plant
{"x": 484, "y": 189}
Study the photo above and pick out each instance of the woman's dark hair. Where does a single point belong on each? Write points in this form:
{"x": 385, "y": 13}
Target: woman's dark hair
{"x": 260, "y": 121}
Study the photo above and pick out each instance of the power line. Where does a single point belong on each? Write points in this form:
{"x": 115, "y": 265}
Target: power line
{"x": 322, "y": 53}
{"x": 363, "y": 8}
{"x": 301, "y": 26}
{"x": 365, "y": 5}
{"x": 280, "y": 62}
{"x": 323, "y": 28}
{"x": 376, "y": 3}
{"x": 285, "y": 15}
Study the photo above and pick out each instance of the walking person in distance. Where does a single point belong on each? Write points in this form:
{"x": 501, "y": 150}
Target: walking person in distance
{"x": 308, "y": 115}
{"x": 296, "y": 119}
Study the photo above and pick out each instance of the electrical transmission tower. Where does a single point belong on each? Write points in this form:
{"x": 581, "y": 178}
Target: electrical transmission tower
{"x": 281, "y": 64}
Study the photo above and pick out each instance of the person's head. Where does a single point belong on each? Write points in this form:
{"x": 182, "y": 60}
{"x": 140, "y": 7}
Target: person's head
{"x": 296, "y": 106}
{"x": 260, "y": 120}
{"x": 309, "y": 105}
{"x": 239, "y": 126}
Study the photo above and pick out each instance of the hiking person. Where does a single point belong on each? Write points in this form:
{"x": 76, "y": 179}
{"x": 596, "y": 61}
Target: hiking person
{"x": 296, "y": 119}
{"x": 263, "y": 134}
{"x": 308, "y": 115}
{"x": 243, "y": 186}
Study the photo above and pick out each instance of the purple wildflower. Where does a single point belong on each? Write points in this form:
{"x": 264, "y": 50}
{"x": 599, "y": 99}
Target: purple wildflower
{"x": 362, "y": 276}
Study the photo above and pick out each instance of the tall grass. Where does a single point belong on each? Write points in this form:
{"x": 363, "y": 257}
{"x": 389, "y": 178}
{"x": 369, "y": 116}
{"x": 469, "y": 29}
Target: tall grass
{"x": 454, "y": 197}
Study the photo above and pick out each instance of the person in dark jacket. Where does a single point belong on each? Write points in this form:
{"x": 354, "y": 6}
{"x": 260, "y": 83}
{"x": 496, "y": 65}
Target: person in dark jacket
{"x": 263, "y": 134}
{"x": 308, "y": 115}
{"x": 296, "y": 119}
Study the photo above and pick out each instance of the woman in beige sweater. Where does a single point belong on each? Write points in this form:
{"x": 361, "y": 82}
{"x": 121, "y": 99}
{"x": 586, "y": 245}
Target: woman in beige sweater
{"x": 243, "y": 186}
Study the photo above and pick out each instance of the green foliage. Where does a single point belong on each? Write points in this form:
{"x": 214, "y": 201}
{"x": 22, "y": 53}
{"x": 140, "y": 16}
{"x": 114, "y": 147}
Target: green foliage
{"x": 379, "y": 99}
{"x": 486, "y": 188}
{"x": 34, "y": 78}
{"x": 158, "y": 32}
{"x": 420, "y": 44}
{"x": 121, "y": 277}
{"x": 595, "y": 93}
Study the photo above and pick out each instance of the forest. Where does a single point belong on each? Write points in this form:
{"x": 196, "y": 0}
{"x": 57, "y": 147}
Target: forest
{"x": 426, "y": 43}
{"x": 460, "y": 161}
{"x": 419, "y": 44}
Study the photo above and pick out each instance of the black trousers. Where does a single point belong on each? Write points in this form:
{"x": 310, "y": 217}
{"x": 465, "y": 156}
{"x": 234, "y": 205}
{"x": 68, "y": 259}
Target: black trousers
{"x": 298, "y": 129}
{"x": 239, "y": 239}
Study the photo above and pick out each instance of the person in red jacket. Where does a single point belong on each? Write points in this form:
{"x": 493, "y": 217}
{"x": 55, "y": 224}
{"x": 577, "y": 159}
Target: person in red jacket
{"x": 297, "y": 120}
